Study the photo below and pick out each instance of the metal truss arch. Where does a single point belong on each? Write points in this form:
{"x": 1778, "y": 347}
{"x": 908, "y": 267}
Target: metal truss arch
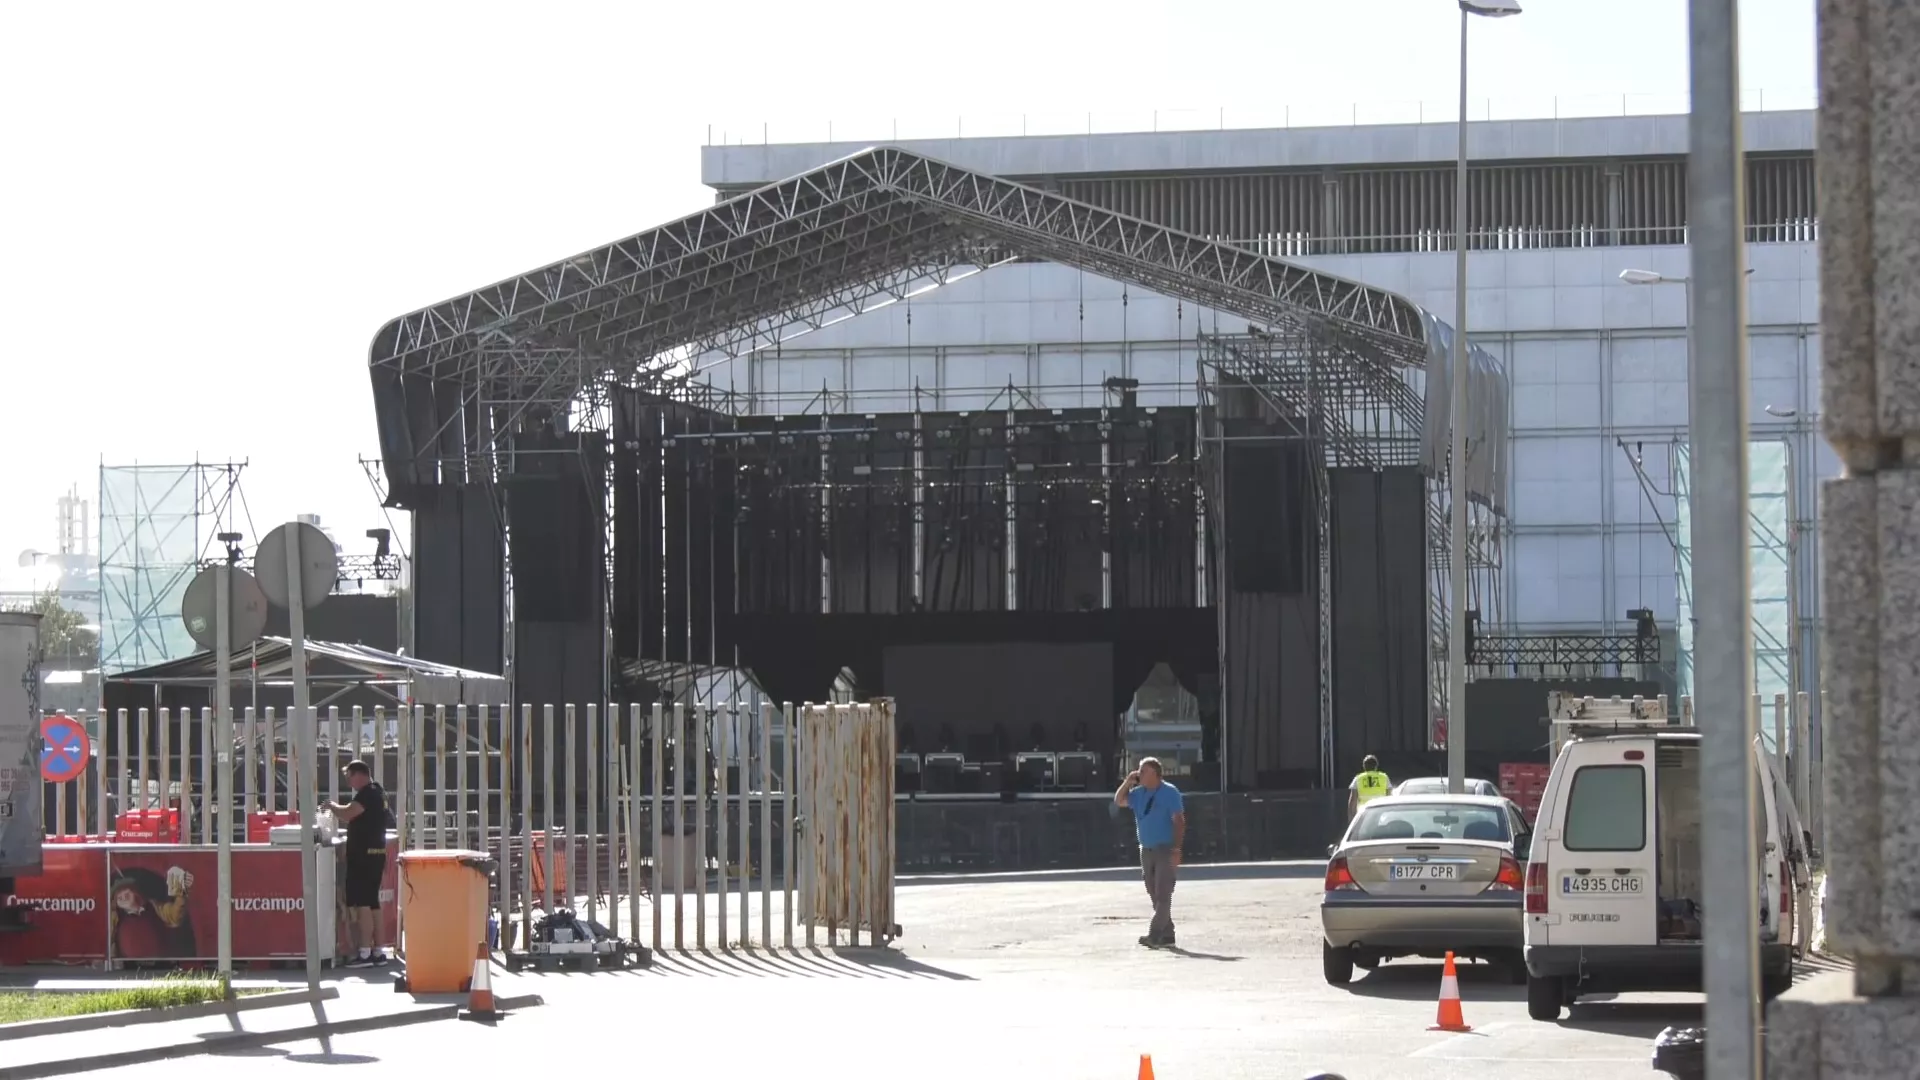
{"x": 452, "y": 379}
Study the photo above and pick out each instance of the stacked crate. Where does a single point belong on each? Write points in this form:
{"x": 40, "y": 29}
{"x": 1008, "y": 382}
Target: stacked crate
{"x": 1524, "y": 782}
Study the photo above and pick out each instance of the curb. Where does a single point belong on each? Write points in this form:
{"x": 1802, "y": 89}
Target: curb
{"x": 67, "y": 1025}
{"x": 248, "y": 1040}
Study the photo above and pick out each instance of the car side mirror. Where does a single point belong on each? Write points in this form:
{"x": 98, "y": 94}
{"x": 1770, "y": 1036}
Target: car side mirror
{"x": 1331, "y": 848}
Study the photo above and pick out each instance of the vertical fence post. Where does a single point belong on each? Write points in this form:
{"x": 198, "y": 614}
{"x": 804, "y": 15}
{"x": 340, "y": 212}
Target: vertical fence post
{"x": 378, "y": 751}
{"x": 523, "y": 783}
{"x": 722, "y": 742}
{"x": 146, "y": 792}
{"x": 334, "y": 764}
{"x": 811, "y": 839}
{"x": 404, "y": 796}
{"x": 1780, "y": 729}
{"x": 766, "y": 824}
{"x": 593, "y": 805}
{"x": 789, "y": 808}
{"x": 164, "y": 772}
{"x": 249, "y": 782}
{"x": 208, "y": 792}
{"x": 269, "y": 760}
{"x": 460, "y": 780}
{"x": 102, "y": 818}
{"x": 1803, "y": 759}
{"x": 656, "y": 826}
{"x": 743, "y": 833}
{"x": 569, "y": 811}
{"x": 441, "y": 823}
{"x": 702, "y": 717}
{"x": 483, "y": 761}
{"x": 633, "y": 825}
{"x": 417, "y": 754}
{"x": 549, "y": 841}
{"x": 678, "y": 860}
{"x": 120, "y": 779}
{"x": 487, "y": 758}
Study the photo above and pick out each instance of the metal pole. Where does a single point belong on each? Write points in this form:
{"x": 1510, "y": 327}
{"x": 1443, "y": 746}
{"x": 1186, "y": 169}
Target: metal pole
{"x": 1723, "y": 647}
{"x": 223, "y": 766}
{"x": 1457, "y": 370}
{"x": 300, "y": 752}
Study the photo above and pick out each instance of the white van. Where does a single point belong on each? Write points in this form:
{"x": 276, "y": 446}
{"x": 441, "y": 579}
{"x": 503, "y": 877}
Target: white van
{"x": 1613, "y": 880}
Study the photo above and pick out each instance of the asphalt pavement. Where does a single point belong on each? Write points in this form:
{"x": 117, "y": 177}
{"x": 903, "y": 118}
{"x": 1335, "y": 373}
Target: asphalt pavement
{"x": 1023, "y": 975}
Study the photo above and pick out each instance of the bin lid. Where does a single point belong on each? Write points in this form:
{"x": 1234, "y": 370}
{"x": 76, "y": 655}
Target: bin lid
{"x": 428, "y": 855}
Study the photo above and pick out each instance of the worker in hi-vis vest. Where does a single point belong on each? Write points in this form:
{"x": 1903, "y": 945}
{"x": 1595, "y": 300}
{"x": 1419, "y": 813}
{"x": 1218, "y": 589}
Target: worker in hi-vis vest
{"x": 1369, "y": 785}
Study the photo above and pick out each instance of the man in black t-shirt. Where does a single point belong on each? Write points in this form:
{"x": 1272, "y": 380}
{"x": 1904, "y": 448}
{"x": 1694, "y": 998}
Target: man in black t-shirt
{"x": 365, "y": 816}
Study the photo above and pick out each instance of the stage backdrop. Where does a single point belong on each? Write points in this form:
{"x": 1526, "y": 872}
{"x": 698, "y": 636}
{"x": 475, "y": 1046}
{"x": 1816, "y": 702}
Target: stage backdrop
{"x": 973, "y": 690}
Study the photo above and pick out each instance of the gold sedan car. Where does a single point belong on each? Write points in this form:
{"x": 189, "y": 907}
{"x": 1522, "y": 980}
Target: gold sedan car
{"x": 1424, "y": 875}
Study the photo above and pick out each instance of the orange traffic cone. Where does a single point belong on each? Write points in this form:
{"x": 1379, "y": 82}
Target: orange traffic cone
{"x": 480, "y": 994}
{"x": 1451, "y": 1018}
{"x": 1146, "y": 1067}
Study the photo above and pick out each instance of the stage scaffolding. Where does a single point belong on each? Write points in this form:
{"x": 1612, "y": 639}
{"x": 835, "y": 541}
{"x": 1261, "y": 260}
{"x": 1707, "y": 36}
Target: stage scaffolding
{"x": 158, "y": 523}
{"x": 463, "y": 386}
{"x": 1357, "y": 414}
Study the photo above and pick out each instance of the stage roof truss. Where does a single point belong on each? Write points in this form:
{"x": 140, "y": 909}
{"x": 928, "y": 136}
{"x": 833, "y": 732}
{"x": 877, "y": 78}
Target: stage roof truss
{"x": 839, "y": 240}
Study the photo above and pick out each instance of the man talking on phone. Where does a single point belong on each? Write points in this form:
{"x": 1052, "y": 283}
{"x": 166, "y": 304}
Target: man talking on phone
{"x": 1160, "y": 816}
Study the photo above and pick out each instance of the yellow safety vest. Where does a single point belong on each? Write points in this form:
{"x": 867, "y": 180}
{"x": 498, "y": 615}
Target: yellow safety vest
{"x": 1369, "y": 786}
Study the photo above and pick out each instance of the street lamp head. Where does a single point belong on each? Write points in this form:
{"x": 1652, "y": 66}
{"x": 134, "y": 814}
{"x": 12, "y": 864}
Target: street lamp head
{"x": 1492, "y": 9}
{"x": 1641, "y": 277}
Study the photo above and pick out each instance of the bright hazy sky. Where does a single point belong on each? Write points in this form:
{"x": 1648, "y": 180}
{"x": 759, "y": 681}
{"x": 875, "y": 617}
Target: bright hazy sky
{"x": 210, "y": 208}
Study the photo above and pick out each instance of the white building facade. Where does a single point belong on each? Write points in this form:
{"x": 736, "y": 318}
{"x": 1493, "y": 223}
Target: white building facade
{"x": 1597, "y": 366}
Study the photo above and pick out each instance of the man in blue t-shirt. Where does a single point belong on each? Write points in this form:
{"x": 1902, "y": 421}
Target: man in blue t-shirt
{"x": 1160, "y": 816}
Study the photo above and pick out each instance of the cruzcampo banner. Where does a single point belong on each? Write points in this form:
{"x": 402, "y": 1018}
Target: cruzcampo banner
{"x": 20, "y": 831}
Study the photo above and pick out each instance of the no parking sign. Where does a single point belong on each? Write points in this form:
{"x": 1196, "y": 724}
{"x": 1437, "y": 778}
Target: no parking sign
{"x": 66, "y": 748}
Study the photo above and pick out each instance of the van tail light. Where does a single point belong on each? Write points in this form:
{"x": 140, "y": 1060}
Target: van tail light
{"x": 1339, "y": 878}
{"x": 1509, "y": 879}
{"x": 1537, "y": 888}
{"x": 1786, "y": 898}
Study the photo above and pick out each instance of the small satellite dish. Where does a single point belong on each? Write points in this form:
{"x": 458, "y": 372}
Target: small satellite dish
{"x": 319, "y": 565}
{"x": 246, "y": 608}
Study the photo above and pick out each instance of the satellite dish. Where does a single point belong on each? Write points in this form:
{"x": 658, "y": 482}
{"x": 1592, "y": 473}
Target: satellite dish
{"x": 246, "y": 608}
{"x": 319, "y": 565}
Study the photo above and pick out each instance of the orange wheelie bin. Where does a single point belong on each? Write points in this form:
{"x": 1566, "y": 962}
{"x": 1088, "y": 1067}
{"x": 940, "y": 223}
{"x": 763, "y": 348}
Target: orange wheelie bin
{"x": 445, "y": 895}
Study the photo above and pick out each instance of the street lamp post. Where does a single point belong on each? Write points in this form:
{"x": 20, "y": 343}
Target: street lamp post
{"x": 1457, "y": 570}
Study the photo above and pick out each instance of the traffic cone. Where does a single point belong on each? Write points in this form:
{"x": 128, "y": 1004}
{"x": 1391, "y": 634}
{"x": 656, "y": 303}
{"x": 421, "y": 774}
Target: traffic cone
{"x": 1146, "y": 1067}
{"x": 480, "y": 995}
{"x": 1451, "y": 1018}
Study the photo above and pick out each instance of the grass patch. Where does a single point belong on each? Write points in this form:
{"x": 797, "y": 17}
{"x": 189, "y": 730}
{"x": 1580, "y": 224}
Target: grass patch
{"x": 168, "y": 992}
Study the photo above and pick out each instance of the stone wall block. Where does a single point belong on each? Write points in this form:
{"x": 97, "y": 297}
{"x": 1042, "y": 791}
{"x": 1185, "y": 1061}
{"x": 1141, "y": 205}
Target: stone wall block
{"x": 1850, "y": 726}
{"x": 1893, "y": 43}
{"x": 1848, "y": 411}
{"x": 1898, "y": 509}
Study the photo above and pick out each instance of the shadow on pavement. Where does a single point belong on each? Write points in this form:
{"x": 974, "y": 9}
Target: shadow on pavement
{"x": 1631, "y": 1018}
{"x": 1188, "y": 873}
{"x": 1191, "y": 955}
{"x": 1414, "y": 980}
{"x": 816, "y": 963}
{"x": 334, "y": 1059}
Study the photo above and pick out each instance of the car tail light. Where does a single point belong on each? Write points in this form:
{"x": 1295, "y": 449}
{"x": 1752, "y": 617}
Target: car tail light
{"x": 1537, "y": 888}
{"x": 1339, "y": 878}
{"x": 1509, "y": 879}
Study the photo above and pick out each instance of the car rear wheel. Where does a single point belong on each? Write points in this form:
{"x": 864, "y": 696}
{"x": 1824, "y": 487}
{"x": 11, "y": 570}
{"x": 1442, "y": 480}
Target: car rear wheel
{"x": 1544, "y": 998}
{"x": 1337, "y": 964}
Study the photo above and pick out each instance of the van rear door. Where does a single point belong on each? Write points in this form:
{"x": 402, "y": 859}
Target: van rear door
{"x": 1600, "y": 875}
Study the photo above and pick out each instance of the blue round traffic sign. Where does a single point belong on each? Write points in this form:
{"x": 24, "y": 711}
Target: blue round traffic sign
{"x": 66, "y": 750}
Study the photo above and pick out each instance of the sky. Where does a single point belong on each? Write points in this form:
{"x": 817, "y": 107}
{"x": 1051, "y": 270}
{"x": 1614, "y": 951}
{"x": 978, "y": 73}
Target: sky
{"x": 210, "y": 208}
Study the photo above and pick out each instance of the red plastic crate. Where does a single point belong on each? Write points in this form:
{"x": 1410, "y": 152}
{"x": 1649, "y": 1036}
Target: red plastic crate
{"x": 261, "y": 823}
{"x": 158, "y": 826}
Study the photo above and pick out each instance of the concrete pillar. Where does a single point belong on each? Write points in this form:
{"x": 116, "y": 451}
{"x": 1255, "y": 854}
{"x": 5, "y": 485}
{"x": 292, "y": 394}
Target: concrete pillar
{"x": 1864, "y": 1024}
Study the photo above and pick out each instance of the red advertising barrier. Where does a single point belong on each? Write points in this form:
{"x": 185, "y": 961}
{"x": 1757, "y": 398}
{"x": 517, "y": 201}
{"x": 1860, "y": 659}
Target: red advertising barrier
{"x": 68, "y": 905}
{"x": 101, "y": 902}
